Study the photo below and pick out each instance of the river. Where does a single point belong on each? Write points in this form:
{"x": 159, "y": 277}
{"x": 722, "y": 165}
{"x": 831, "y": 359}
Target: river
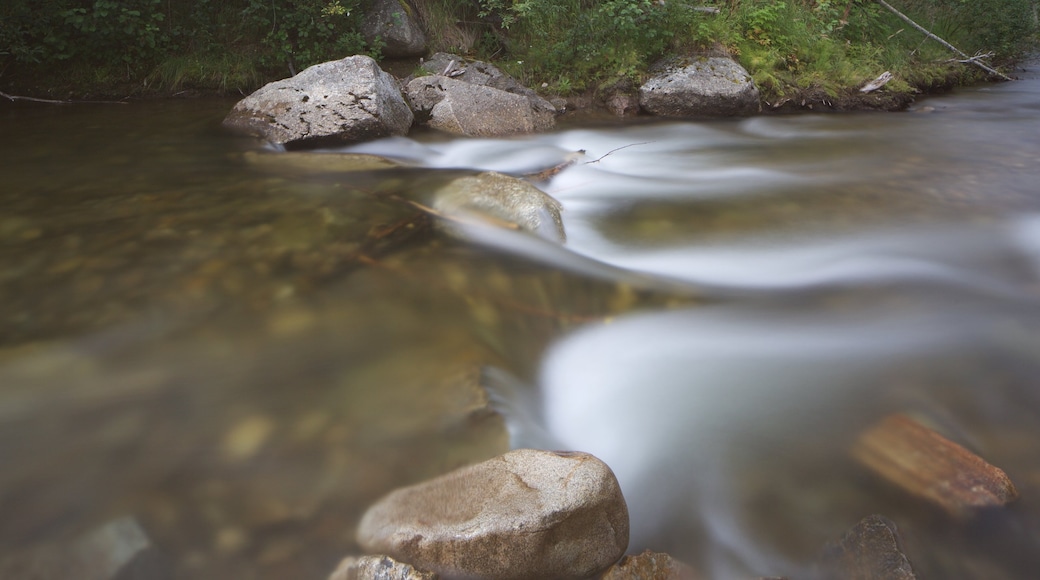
{"x": 242, "y": 353}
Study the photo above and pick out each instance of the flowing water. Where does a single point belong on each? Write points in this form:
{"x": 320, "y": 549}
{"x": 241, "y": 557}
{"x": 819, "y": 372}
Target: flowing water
{"x": 243, "y": 350}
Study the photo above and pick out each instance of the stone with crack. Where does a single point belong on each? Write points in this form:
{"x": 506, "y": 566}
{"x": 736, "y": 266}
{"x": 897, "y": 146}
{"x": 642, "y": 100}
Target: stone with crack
{"x": 333, "y": 102}
{"x": 524, "y": 514}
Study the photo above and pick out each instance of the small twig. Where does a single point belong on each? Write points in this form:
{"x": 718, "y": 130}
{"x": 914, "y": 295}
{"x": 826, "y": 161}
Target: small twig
{"x": 972, "y": 59}
{"x": 56, "y": 102}
{"x": 614, "y": 150}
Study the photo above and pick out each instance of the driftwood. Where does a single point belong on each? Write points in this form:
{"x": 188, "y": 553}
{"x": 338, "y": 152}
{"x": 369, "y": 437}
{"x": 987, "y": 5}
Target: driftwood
{"x": 877, "y": 83}
{"x": 57, "y": 102}
{"x": 951, "y": 47}
{"x": 930, "y": 466}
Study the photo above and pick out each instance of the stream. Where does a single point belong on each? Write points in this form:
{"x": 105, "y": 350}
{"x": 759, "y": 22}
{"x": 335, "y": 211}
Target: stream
{"x": 242, "y": 349}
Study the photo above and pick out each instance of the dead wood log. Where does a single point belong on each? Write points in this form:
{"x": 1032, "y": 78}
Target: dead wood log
{"x": 922, "y": 29}
{"x": 930, "y": 466}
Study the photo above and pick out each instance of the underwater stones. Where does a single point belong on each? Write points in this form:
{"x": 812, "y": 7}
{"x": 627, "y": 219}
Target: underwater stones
{"x": 524, "y": 514}
{"x": 500, "y": 200}
{"x": 393, "y": 22}
{"x": 377, "y": 568}
{"x": 309, "y": 162}
{"x": 871, "y": 550}
{"x": 117, "y": 550}
{"x": 649, "y": 566}
{"x": 344, "y": 100}
{"x": 706, "y": 87}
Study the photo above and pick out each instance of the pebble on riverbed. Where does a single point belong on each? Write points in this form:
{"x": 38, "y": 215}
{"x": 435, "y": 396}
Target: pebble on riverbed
{"x": 524, "y": 514}
{"x": 871, "y": 550}
{"x": 377, "y": 568}
{"x": 650, "y": 566}
{"x": 117, "y": 550}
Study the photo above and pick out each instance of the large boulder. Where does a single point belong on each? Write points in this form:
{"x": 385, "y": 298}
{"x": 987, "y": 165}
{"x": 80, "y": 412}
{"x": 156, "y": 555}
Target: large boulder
{"x": 701, "y": 87}
{"x": 471, "y": 110}
{"x": 393, "y": 22}
{"x": 476, "y": 99}
{"x": 525, "y": 514}
{"x": 339, "y": 101}
{"x": 500, "y": 200}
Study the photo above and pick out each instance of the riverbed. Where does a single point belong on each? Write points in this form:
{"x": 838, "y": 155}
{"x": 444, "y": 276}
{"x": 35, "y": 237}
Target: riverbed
{"x": 242, "y": 354}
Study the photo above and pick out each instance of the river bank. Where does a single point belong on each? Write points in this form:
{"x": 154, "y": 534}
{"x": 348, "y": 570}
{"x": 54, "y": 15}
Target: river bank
{"x": 803, "y": 55}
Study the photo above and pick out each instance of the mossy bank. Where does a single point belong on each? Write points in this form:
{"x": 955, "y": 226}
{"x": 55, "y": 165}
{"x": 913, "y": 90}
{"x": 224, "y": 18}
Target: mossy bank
{"x": 801, "y": 53}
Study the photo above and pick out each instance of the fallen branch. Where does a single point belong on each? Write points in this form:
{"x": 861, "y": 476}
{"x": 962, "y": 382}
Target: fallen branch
{"x": 877, "y": 83}
{"x": 972, "y": 59}
{"x": 56, "y": 102}
{"x": 953, "y": 48}
{"x": 614, "y": 150}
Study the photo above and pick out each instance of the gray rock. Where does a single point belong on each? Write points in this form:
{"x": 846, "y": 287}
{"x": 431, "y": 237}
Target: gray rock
{"x": 473, "y": 110}
{"x": 871, "y": 550}
{"x": 498, "y": 198}
{"x": 704, "y": 87}
{"x": 542, "y": 113}
{"x": 525, "y": 514}
{"x": 394, "y": 22}
{"x": 344, "y": 100}
{"x": 118, "y": 550}
{"x": 377, "y": 568}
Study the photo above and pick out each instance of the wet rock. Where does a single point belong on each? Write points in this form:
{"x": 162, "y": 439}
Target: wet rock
{"x": 394, "y": 23}
{"x": 623, "y": 104}
{"x": 869, "y": 551}
{"x": 501, "y": 200}
{"x": 377, "y": 568}
{"x": 525, "y": 514}
{"x": 650, "y": 566}
{"x": 930, "y": 466}
{"x": 472, "y": 110}
{"x": 118, "y": 550}
{"x": 703, "y": 87}
{"x": 340, "y": 101}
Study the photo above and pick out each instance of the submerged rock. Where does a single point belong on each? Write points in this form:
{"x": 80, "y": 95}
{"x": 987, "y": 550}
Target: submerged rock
{"x": 344, "y": 100}
{"x": 707, "y": 87}
{"x": 650, "y": 566}
{"x": 501, "y": 200}
{"x": 871, "y": 550}
{"x": 525, "y": 514}
{"x": 377, "y": 568}
{"x": 393, "y": 22}
{"x": 308, "y": 162}
{"x": 118, "y": 550}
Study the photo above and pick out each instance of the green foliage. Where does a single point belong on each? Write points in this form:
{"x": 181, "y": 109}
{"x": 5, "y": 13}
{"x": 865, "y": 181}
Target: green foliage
{"x": 300, "y": 33}
{"x": 574, "y": 43}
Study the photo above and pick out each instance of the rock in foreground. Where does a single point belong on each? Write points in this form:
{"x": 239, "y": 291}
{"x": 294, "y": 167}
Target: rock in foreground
{"x": 525, "y": 514}
{"x": 871, "y": 550}
{"x": 377, "y": 568}
{"x": 650, "y": 566}
{"x": 707, "y": 87}
{"x": 501, "y": 200}
{"x": 344, "y": 100}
